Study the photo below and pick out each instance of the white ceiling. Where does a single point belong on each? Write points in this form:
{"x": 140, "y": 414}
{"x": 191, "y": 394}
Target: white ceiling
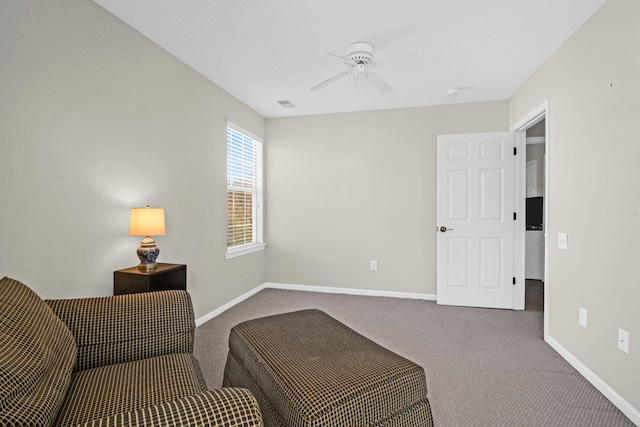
{"x": 262, "y": 52}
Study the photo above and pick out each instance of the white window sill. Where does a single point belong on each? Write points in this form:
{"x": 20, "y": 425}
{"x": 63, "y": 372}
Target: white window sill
{"x": 244, "y": 250}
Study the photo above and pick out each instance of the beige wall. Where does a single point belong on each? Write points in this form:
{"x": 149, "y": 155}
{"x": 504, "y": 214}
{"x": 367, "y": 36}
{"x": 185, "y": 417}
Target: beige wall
{"x": 593, "y": 89}
{"x": 536, "y": 152}
{"x": 344, "y": 189}
{"x": 95, "y": 119}
{"x": 537, "y": 130}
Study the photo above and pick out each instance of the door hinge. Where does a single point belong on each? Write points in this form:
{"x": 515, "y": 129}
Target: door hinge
{"x": 515, "y": 216}
{"x": 515, "y": 151}
{"x": 514, "y": 280}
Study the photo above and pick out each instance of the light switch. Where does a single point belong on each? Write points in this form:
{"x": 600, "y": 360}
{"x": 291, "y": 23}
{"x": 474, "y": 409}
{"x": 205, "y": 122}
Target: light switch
{"x": 582, "y": 317}
{"x": 563, "y": 240}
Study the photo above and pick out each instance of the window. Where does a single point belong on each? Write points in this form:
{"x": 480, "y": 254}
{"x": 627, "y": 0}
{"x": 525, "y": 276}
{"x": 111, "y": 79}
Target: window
{"x": 244, "y": 192}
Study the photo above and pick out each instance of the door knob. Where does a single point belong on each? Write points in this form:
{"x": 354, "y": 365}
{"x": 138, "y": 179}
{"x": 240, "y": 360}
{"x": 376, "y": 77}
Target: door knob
{"x": 444, "y": 229}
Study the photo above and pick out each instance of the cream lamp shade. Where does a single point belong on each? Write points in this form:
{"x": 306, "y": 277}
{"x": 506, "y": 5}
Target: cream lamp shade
{"x": 147, "y": 222}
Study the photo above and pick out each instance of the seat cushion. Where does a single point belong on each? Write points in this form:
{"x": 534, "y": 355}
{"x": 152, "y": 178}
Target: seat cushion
{"x": 110, "y": 390}
{"x": 308, "y": 369}
{"x": 37, "y": 354}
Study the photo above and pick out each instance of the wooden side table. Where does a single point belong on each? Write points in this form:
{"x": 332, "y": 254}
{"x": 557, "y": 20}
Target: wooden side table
{"x": 165, "y": 277}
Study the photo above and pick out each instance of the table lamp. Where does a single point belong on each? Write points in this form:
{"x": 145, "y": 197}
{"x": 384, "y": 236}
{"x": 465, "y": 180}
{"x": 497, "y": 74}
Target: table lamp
{"x": 146, "y": 222}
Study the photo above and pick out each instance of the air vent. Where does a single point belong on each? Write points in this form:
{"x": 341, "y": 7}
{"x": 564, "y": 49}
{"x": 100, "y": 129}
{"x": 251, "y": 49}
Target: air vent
{"x": 286, "y": 104}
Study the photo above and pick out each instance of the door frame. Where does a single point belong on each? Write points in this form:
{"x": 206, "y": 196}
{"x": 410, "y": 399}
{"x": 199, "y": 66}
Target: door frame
{"x": 541, "y": 112}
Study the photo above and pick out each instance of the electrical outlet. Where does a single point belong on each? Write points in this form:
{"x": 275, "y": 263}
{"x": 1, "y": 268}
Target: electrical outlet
{"x": 582, "y": 317}
{"x": 373, "y": 265}
{"x": 623, "y": 340}
{"x": 563, "y": 240}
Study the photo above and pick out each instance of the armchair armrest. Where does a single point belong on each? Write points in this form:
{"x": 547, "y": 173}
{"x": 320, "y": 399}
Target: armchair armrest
{"x": 125, "y": 328}
{"x": 220, "y": 407}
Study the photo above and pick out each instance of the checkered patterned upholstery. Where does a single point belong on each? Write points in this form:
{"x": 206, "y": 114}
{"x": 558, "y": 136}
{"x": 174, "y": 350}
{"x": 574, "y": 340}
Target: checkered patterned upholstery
{"x": 308, "y": 370}
{"x": 224, "y": 407}
{"x": 128, "y": 386}
{"x": 135, "y": 364}
{"x": 37, "y": 354}
{"x": 122, "y": 328}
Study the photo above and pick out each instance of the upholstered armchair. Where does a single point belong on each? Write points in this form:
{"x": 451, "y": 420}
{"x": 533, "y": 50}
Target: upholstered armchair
{"x": 122, "y": 360}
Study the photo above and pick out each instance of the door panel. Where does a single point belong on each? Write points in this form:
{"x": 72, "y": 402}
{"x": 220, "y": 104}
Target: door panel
{"x": 458, "y": 195}
{"x": 491, "y": 198}
{"x": 459, "y": 250}
{"x": 476, "y": 201}
{"x": 491, "y": 265}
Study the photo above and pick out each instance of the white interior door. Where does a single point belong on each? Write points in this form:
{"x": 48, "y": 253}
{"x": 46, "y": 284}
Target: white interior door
{"x": 476, "y": 226}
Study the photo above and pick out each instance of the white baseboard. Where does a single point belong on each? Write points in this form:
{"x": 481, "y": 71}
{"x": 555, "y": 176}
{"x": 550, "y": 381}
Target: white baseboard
{"x": 625, "y": 407}
{"x": 228, "y": 305}
{"x": 306, "y": 288}
{"x": 349, "y": 291}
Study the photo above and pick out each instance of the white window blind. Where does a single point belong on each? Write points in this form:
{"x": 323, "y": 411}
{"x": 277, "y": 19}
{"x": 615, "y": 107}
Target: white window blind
{"x": 244, "y": 190}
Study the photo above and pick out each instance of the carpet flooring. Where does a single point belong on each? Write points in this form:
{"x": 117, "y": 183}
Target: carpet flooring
{"x": 484, "y": 367}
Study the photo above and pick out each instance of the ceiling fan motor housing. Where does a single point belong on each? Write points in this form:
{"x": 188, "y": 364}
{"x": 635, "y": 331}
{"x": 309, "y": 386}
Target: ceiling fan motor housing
{"x": 360, "y": 53}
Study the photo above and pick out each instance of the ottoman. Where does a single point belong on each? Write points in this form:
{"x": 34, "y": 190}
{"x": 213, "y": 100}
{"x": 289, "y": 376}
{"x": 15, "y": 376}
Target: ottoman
{"x": 306, "y": 369}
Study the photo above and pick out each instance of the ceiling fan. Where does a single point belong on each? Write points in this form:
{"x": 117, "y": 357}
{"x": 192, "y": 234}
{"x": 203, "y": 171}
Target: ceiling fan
{"x": 360, "y": 58}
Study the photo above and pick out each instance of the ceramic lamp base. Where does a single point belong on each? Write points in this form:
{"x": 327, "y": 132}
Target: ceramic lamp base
{"x": 147, "y": 253}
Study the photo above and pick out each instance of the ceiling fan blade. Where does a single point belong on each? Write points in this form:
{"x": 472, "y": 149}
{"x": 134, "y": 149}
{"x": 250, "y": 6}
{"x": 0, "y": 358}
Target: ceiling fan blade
{"x": 345, "y": 60}
{"x": 403, "y": 59}
{"x": 379, "y": 84}
{"x": 329, "y": 81}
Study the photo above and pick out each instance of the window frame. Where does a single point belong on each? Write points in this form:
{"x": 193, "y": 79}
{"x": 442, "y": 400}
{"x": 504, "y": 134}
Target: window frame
{"x": 257, "y": 194}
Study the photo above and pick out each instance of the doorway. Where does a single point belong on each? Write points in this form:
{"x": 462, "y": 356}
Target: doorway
{"x": 536, "y": 127}
{"x": 518, "y": 197}
{"x": 534, "y": 231}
